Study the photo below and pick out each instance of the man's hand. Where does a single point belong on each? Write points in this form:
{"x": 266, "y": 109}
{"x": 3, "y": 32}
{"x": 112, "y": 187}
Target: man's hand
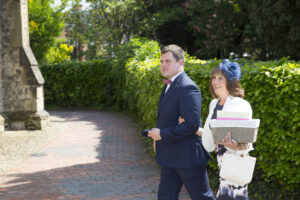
{"x": 154, "y": 133}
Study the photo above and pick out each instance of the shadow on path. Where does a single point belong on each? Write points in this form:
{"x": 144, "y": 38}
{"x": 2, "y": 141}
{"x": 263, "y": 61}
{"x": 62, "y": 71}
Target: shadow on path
{"x": 98, "y": 155}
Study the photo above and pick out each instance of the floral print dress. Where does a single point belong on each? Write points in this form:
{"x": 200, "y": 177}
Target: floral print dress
{"x": 228, "y": 191}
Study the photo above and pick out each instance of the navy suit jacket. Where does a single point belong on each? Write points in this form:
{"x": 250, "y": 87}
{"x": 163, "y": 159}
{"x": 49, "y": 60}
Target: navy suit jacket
{"x": 180, "y": 147}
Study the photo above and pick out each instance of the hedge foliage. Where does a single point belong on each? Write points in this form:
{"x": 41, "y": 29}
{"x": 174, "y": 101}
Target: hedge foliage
{"x": 272, "y": 88}
{"x": 77, "y": 84}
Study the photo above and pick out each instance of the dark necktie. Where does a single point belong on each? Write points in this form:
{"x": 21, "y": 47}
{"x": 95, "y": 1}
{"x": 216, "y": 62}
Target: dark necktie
{"x": 167, "y": 82}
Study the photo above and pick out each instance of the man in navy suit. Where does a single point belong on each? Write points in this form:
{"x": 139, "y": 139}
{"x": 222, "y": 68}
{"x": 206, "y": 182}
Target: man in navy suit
{"x": 179, "y": 150}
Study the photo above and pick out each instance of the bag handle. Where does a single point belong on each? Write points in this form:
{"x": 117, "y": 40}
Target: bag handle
{"x": 244, "y": 148}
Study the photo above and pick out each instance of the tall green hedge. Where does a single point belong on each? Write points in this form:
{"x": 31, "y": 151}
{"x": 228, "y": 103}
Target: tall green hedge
{"x": 78, "y": 84}
{"x": 272, "y": 88}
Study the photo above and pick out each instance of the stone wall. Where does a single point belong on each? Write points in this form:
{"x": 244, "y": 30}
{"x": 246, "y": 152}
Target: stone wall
{"x": 21, "y": 82}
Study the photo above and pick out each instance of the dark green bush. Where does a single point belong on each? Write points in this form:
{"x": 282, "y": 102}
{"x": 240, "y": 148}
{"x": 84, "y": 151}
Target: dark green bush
{"x": 78, "y": 84}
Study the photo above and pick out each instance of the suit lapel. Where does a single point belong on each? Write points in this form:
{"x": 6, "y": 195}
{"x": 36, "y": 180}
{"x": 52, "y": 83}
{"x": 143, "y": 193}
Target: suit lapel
{"x": 162, "y": 95}
{"x": 165, "y": 96}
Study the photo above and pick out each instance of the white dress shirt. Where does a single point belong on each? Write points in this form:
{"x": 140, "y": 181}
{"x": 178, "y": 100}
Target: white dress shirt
{"x": 173, "y": 79}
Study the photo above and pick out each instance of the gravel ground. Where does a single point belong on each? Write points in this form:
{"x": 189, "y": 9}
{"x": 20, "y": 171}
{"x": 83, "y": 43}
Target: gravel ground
{"x": 15, "y": 146}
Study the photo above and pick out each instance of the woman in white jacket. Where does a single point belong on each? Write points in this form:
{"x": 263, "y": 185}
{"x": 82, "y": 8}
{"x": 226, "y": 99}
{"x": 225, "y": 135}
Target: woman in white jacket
{"x": 227, "y": 93}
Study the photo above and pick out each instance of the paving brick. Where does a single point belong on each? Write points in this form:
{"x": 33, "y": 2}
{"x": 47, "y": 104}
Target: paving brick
{"x": 97, "y": 156}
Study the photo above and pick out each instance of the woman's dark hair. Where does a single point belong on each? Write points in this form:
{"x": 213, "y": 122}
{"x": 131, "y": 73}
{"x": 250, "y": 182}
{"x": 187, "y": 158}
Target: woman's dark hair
{"x": 234, "y": 87}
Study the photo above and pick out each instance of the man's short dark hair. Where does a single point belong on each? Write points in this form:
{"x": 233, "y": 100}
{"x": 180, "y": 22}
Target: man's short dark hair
{"x": 177, "y": 51}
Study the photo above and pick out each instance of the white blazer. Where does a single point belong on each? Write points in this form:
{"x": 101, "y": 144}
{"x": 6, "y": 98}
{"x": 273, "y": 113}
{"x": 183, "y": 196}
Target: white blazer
{"x": 231, "y": 104}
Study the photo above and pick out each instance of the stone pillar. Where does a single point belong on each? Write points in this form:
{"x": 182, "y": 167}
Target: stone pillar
{"x": 21, "y": 82}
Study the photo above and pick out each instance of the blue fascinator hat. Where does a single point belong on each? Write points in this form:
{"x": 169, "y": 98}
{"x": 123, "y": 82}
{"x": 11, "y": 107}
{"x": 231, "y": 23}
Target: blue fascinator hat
{"x": 231, "y": 70}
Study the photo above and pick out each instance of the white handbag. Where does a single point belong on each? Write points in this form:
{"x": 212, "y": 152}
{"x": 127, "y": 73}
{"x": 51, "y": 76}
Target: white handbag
{"x": 237, "y": 169}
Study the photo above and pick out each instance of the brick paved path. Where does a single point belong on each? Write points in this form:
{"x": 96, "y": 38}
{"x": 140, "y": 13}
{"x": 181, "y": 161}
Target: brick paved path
{"x": 97, "y": 155}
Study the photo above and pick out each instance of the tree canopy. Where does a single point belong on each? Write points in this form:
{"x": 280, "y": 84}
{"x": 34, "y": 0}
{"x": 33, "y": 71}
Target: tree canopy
{"x": 264, "y": 29}
{"x": 45, "y": 25}
{"x": 112, "y": 22}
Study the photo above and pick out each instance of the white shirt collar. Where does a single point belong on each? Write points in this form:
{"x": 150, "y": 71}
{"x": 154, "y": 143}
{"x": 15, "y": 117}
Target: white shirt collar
{"x": 174, "y": 77}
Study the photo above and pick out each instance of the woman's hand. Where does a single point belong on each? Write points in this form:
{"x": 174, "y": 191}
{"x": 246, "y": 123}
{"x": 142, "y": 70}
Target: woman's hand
{"x": 199, "y": 131}
{"x": 180, "y": 120}
{"x": 232, "y": 144}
